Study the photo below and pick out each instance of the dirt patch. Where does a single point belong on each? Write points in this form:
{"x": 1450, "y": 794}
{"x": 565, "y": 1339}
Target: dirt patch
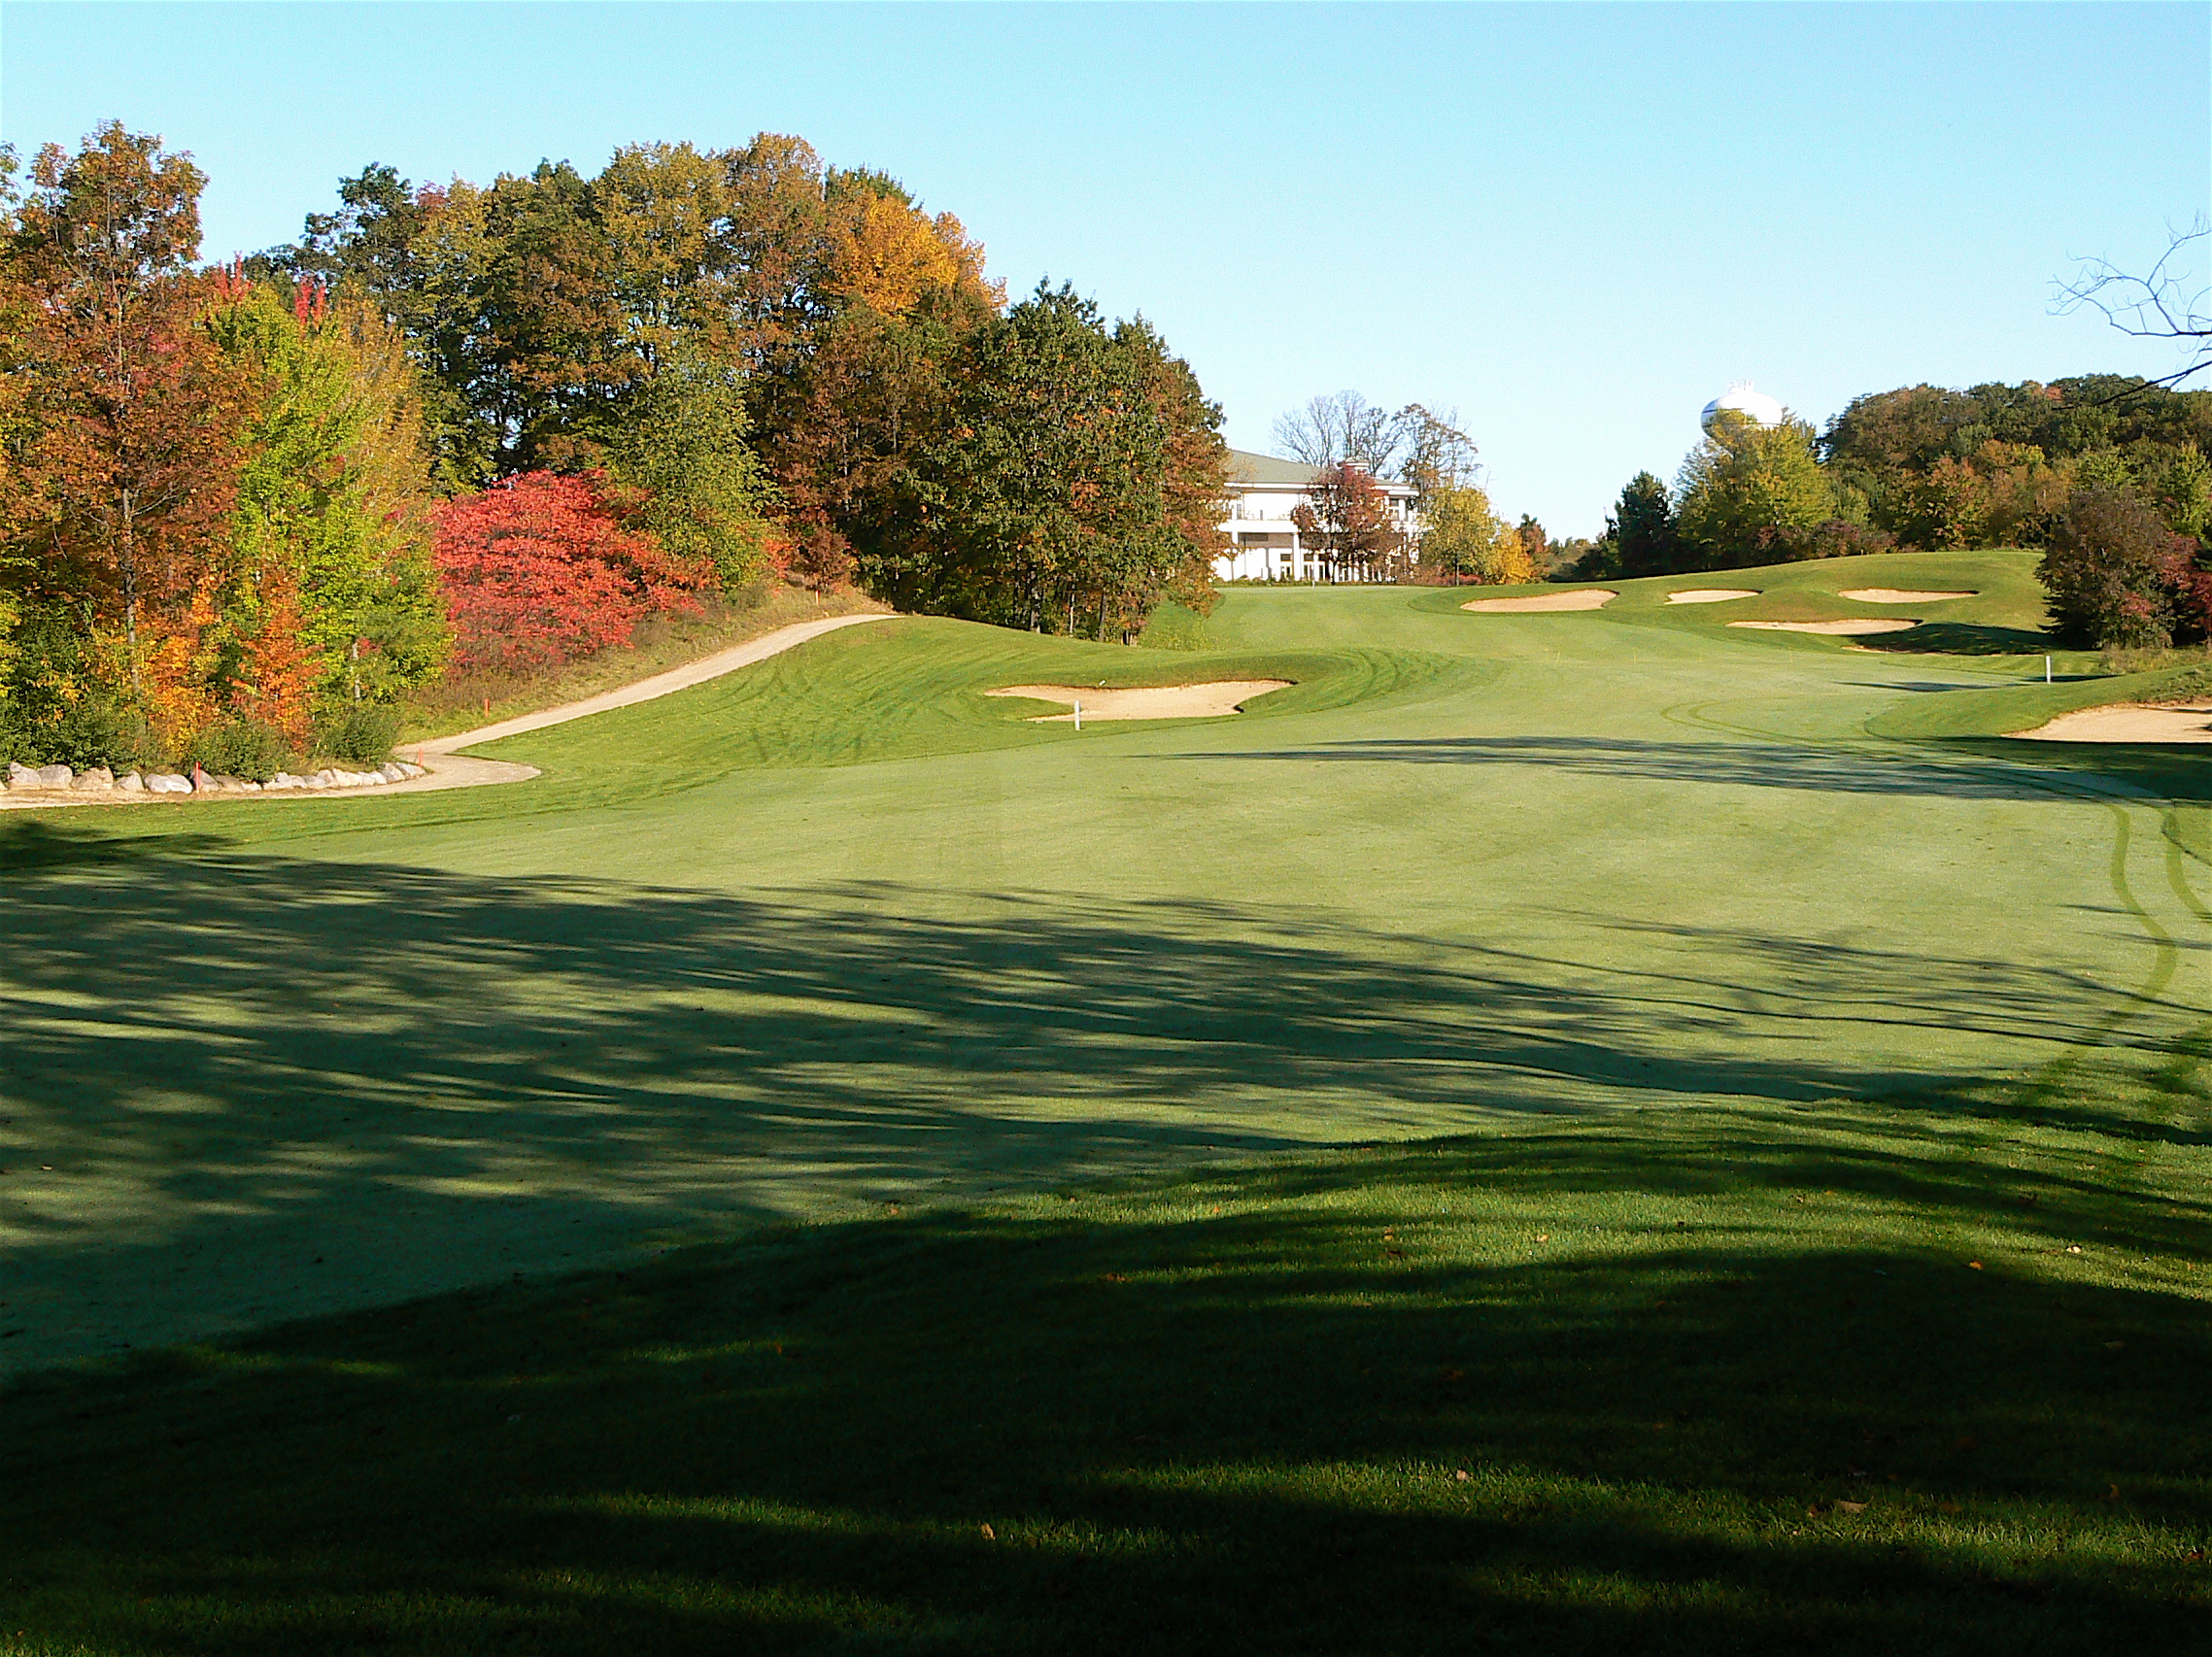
{"x": 1849, "y": 625}
{"x": 1583, "y": 599}
{"x": 1897, "y": 596}
{"x": 2130, "y": 721}
{"x": 1711, "y": 595}
{"x": 1150, "y": 702}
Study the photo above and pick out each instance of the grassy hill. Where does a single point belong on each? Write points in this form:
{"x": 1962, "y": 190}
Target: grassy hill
{"x": 834, "y": 1165}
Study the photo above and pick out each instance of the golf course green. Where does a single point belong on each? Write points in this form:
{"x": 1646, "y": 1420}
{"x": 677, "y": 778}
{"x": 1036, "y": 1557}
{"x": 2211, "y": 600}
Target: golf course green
{"x": 1583, "y": 1132}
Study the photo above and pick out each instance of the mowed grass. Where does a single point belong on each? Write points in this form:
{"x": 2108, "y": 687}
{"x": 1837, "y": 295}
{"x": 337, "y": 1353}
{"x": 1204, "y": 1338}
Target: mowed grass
{"x": 838, "y": 1166}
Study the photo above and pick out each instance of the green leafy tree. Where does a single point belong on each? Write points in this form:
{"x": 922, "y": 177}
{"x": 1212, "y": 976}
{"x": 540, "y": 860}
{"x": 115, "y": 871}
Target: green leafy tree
{"x": 334, "y": 498}
{"x": 1749, "y": 492}
{"x": 1057, "y": 490}
{"x": 677, "y": 455}
{"x": 1643, "y": 530}
{"x": 1463, "y": 539}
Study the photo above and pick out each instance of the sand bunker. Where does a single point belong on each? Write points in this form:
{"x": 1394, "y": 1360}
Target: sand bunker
{"x": 1150, "y": 702}
{"x": 1849, "y": 625}
{"x": 1711, "y": 595}
{"x": 2130, "y": 721}
{"x": 1583, "y": 599}
{"x": 1897, "y": 596}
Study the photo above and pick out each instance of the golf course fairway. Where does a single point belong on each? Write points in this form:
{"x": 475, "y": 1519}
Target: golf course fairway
{"x": 1571, "y": 1132}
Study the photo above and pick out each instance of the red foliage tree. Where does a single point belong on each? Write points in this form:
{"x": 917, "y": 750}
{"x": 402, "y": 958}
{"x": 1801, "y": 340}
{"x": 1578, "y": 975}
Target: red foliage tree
{"x": 538, "y": 571}
{"x": 1347, "y": 521}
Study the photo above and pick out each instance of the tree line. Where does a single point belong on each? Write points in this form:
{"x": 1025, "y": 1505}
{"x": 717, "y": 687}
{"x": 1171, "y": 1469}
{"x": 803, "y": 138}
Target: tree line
{"x": 246, "y": 506}
{"x": 2064, "y": 466}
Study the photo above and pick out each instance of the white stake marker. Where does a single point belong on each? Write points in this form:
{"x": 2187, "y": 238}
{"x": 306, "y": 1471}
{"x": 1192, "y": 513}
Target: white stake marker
{"x": 1078, "y": 715}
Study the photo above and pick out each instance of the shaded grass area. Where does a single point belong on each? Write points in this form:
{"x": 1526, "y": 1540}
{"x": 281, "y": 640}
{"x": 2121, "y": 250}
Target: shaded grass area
{"x": 352, "y": 1083}
{"x": 1726, "y": 1381}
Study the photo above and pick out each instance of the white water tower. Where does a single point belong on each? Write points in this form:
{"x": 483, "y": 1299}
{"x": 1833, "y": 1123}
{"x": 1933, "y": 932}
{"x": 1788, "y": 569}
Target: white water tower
{"x": 1754, "y": 406}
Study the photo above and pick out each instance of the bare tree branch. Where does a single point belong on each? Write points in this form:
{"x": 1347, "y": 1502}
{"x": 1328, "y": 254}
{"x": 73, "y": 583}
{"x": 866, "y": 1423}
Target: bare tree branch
{"x": 2156, "y": 305}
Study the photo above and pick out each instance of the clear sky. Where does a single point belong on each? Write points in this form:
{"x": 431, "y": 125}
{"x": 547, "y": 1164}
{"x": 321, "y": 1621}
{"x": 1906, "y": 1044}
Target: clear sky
{"x": 1575, "y": 222}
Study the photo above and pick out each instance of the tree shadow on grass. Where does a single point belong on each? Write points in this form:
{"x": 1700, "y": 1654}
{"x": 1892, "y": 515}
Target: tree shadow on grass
{"x": 249, "y": 1087}
{"x": 1229, "y": 1415}
{"x": 1958, "y": 638}
{"x": 1924, "y": 769}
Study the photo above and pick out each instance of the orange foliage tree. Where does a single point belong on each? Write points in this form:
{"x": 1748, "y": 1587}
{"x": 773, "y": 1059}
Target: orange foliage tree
{"x": 135, "y": 415}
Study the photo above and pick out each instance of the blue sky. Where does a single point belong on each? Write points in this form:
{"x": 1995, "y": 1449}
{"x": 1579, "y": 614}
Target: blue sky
{"x": 1576, "y": 223}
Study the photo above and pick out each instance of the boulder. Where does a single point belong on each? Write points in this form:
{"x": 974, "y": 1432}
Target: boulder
{"x": 56, "y": 777}
{"x": 21, "y": 776}
{"x": 130, "y": 782}
{"x": 323, "y": 779}
{"x": 392, "y": 771}
{"x": 167, "y": 782}
{"x": 98, "y": 780}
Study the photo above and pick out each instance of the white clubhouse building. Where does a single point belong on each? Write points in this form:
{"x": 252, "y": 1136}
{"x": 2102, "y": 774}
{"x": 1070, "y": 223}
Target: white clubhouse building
{"x": 1263, "y": 543}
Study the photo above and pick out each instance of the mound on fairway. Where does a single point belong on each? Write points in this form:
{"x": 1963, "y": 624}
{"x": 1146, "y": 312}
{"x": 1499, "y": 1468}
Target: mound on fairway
{"x": 1896, "y": 595}
{"x": 1586, "y": 598}
{"x": 1711, "y": 595}
{"x": 1146, "y": 701}
{"x": 2128, "y": 721}
{"x": 1848, "y": 625}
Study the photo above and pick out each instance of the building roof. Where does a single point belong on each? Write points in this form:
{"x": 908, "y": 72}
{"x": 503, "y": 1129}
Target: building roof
{"x": 1271, "y": 471}
{"x": 1247, "y": 467}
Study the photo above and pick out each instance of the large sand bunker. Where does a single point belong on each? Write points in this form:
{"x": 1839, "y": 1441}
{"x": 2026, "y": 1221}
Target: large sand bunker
{"x": 2130, "y": 721}
{"x": 1896, "y": 595}
{"x": 1148, "y": 701}
{"x": 1711, "y": 595}
{"x": 1849, "y": 625}
{"x": 1583, "y": 599}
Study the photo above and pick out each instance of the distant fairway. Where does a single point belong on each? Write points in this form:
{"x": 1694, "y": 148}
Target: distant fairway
{"x": 840, "y": 929}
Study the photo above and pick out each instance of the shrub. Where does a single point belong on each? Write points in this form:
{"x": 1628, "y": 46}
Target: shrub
{"x": 538, "y": 571}
{"x": 242, "y": 748}
{"x": 1838, "y": 538}
{"x": 362, "y": 733}
{"x": 2112, "y": 572}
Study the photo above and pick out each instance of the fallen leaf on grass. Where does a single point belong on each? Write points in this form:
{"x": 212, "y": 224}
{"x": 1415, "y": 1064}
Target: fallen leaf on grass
{"x": 1460, "y": 1475}
{"x": 1973, "y": 1265}
{"x": 989, "y": 1535}
{"x": 1113, "y": 1277}
{"x": 1544, "y": 1237}
{"x": 1850, "y": 1506}
{"x": 1949, "y": 1507}
{"x": 1395, "y": 1253}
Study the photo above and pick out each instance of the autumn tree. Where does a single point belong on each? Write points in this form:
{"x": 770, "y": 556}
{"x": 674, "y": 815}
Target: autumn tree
{"x": 1463, "y": 539}
{"x": 132, "y": 415}
{"x": 1345, "y": 518}
{"x": 539, "y": 570}
{"x": 2114, "y": 573}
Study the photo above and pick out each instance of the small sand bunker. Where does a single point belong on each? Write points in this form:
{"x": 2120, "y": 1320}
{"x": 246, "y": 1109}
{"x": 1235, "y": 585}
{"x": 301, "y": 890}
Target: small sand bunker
{"x": 1711, "y": 595}
{"x": 1849, "y": 625}
{"x": 2130, "y": 721}
{"x": 1150, "y": 702}
{"x": 1897, "y": 596}
{"x": 1581, "y": 599}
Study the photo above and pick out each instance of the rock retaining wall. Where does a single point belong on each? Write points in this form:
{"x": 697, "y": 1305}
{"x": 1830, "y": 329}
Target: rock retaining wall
{"x": 60, "y": 778}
